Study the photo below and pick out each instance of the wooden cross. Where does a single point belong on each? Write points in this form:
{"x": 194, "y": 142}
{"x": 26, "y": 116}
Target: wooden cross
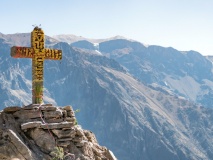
{"x": 38, "y": 54}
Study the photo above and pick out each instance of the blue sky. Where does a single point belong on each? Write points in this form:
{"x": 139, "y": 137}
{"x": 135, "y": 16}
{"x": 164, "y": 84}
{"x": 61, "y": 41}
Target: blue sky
{"x": 182, "y": 24}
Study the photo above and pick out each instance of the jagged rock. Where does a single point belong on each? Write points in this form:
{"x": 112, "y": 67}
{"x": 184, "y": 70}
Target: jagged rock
{"x": 78, "y": 139}
{"x": 68, "y": 108}
{"x": 43, "y": 107}
{"x": 70, "y": 113}
{"x": 63, "y": 143}
{"x": 53, "y": 114}
{"x": 96, "y": 152}
{"x": 11, "y": 109}
{"x": 9, "y": 122}
{"x": 69, "y": 156}
{"x": 73, "y": 149}
{"x": 64, "y": 133}
{"x": 110, "y": 155}
{"x": 64, "y": 139}
{"x": 90, "y": 136}
{"x": 27, "y": 114}
{"x": 18, "y": 143}
{"x": 12, "y": 145}
{"x": 26, "y": 135}
{"x": 70, "y": 119}
{"x": 47, "y": 105}
{"x": 87, "y": 149}
{"x": 97, "y": 158}
{"x": 8, "y": 150}
{"x": 80, "y": 132}
{"x": 31, "y": 125}
{"x": 48, "y": 108}
{"x": 57, "y": 125}
{"x": 22, "y": 121}
{"x": 54, "y": 120}
{"x": 64, "y": 113}
{"x": 43, "y": 139}
{"x": 30, "y": 107}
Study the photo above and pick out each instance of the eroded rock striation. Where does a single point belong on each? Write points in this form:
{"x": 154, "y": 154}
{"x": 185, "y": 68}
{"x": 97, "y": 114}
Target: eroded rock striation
{"x": 35, "y": 132}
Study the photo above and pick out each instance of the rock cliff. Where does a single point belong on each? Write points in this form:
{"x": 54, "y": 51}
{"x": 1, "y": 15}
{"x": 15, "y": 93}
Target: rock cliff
{"x": 46, "y": 132}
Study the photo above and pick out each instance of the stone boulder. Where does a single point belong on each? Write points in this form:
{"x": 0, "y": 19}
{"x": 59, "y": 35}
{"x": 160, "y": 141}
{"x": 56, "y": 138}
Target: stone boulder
{"x": 40, "y": 132}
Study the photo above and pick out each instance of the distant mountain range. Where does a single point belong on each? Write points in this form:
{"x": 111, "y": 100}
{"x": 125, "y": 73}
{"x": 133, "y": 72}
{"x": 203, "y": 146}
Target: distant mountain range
{"x": 142, "y": 102}
{"x": 73, "y": 38}
{"x": 187, "y": 74}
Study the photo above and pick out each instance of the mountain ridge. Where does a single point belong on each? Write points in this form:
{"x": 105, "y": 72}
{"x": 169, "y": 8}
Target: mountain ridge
{"x": 70, "y": 38}
{"x": 148, "y": 121}
{"x": 166, "y": 67}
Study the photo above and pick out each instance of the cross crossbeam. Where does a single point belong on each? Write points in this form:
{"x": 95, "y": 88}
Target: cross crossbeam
{"x": 38, "y": 53}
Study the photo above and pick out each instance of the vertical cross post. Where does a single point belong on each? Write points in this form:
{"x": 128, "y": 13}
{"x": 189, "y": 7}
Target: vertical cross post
{"x": 38, "y": 54}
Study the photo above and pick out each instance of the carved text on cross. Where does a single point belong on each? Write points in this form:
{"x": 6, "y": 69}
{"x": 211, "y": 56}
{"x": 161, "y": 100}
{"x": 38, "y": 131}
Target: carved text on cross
{"x": 38, "y": 54}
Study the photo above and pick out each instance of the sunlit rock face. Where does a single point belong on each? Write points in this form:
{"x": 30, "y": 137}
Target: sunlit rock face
{"x": 33, "y": 136}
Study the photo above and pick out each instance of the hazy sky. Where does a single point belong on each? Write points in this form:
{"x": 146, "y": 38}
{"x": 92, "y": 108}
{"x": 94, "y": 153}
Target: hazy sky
{"x": 181, "y": 24}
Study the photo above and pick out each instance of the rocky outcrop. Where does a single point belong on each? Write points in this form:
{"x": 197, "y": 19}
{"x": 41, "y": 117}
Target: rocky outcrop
{"x": 38, "y": 132}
